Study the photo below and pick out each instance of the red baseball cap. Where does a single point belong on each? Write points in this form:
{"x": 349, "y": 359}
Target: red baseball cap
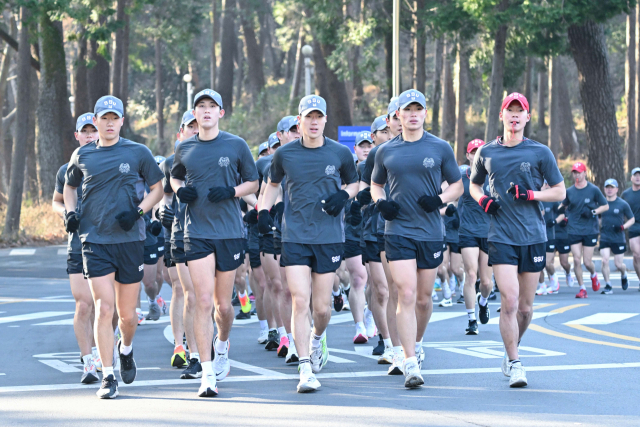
{"x": 515, "y": 96}
{"x": 475, "y": 144}
{"x": 579, "y": 167}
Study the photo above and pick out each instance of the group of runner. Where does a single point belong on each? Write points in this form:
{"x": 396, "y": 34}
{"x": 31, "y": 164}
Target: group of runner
{"x": 390, "y": 220}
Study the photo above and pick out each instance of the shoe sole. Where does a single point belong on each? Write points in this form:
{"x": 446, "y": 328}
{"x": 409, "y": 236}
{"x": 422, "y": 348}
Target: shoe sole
{"x": 471, "y": 333}
{"x": 413, "y": 382}
{"x": 271, "y": 345}
{"x": 518, "y": 383}
{"x": 113, "y": 396}
{"x": 306, "y": 389}
{"x": 190, "y": 376}
{"x": 208, "y": 393}
{"x": 395, "y": 371}
{"x": 360, "y": 339}
{"x": 283, "y": 351}
{"x": 89, "y": 379}
{"x": 294, "y": 359}
{"x": 581, "y": 297}
{"x": 178, "y": 362}
{"x": 262, "y": 342}
{"x": 384, "y": 362}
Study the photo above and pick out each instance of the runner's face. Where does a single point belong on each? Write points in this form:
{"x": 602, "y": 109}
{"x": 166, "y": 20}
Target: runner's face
{"x": 395, "y": 127}
{"x": 514, "y": 117}
{"x": 108, "y": 126}
{"x": 472, "y": 155}
{"x": 412, "y": 117}
{"x": 610, "y": 191}
{"x": 189, "y": 130}
{"x": 207, "y": 113}
{"x": 635, "y": 178}
{"x": 579, "y": 177}
{"x": 87, "y": 134}
{"x": 312, "y": 125}
{"x": 293, "y": 134}
{"x": 381, "y": 136}
{"x": 362, "y": 150}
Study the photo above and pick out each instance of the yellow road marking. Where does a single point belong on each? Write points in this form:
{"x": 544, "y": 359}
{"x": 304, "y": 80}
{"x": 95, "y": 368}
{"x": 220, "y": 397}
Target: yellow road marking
{"x": 605, "y": 333}
{"x": 575, "y": 338}
{"x": 567, "y": 308}
{"x": 536, "y": 307}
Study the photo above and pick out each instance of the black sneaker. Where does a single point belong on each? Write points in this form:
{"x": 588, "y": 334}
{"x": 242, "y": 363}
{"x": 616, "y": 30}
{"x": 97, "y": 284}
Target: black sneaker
{"x": 235, "y": 301}
{"x": 242, "y": 315}
{"x": 492, "y": 296}
{"x": 272, "y": 341}
{"x": 379, "y": 349}
{"x": 346, "y": 291}
{"x": 338, "y": 302}
{"x": 253, "y": 311}
{"x": 193, "y": 371}
{"x": 608, "y": 290}
{"x": 128, "y": 368}
{"x": 109, "y": 388}
{"x": 625, "y": 283}
{"x": 461, "y": 299}
{"x": 473, "y": 328}
{"x": 477, "y": 285}
{"x": 483, "y": 311}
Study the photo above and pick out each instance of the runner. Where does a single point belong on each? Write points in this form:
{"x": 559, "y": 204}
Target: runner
{"x": 516, "y": 167}
{"x": 451, "y": 259}
{"x": 562, "y": 244}
{"x": 85, "y": 312}
{"x": 111, "y": 229}
{"x": 612, "y": 238}
{"x": 210, "y": 172}
{"x": 153, "y": 230}
{"x": 414, "y": 164}
{"x": 312, "y": 235}
{"x": 583, "y": 204}
{"x": 632, "y": 196}
{"x": 551, "y": 218}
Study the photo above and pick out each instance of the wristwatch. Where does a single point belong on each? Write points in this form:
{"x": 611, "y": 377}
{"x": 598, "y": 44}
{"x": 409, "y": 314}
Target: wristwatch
{"x": 140, "y": 211}
{"x": 593, "y": 211}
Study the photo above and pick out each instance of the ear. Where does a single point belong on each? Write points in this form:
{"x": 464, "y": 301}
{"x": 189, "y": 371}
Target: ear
{"x": 221, "y": 113}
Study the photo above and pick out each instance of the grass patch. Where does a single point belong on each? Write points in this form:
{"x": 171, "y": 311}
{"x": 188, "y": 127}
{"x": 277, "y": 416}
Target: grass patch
{"x": 39, "y": 226}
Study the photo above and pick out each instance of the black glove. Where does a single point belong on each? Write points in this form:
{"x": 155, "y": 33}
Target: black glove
{"x": 562, "y": 209}
{"x": 388, "y": 209}
{"x": 71, "y": 222}
{"x": 334, "y": 203}
{"x": 187, "y": 194}
{"x": 451, "y": 209}
{"x": 356, "y": 213}
{"x": 364, "y": 197}
{"x": 218, "y": 194}
{"x": 154, "y": 228}
{"x": 564, "y": 222}
{"x": 279, "y": 211}
{"x": 618, "y": 228}
{"x": 243, "y": 206}
{"x": 519, "y": 192}
{"x": 587, "y": 213}
{"x": 566, "y": 202}
{"x": 251, "y": 217}
{"x": 551, "y": 223}
{"x": 127, "y": 219}
{"x": 489, "y": 205}
{"x": 166, "y": 217}
{"x": 265, "y": 222}
{"x": 455, "y": 223}
{"x": 430, "y": 203}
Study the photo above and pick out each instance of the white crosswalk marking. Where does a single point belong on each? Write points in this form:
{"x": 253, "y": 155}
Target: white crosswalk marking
{"x": 17, "y": 252}
{"x": 31, "y": 316}
{"x": 602, "y": 319}
{"x": 62, "y": 251}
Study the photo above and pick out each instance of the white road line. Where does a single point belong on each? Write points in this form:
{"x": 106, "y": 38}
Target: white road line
{"x": 31, "y": 316}
{"x": 59, "y": 365}
{"x": 437, "y": 316}
{"x": 17, "y": 300}
{"x": 336, "y": 359}
{"x": 62, "y": 251}
{"x": 15, "y": 252}
{"x": 341, "y": 318}
{"x": 56, "y": 297}
{"x": 602, "y": 319}
{"x": 255, "y": 369}
{"x": 65, "y": 322}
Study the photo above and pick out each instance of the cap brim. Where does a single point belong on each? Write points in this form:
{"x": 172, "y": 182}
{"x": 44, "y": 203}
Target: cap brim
{"x": 524, "y": 107}
{"x": 406, "y": 104}
{"x": 364, "y": 140}
{"x": 109, "y": 110}
{"x": 201, "y": 97}
{"x": 188, "y": 122}
{"x": 309, "y": 110}
{"x": 79, "y": 128}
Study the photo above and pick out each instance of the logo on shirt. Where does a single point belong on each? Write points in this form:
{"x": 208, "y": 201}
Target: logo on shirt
{"x": 330, "y": 170}
{"x": 616, "y": 211}
{"x": 335, "y": 259}
{"x": 141, "y": 267}
{"x": 223, "y": 162}
{"x": 587, "y": 200}
{"x": 236, "y": 256}
{"x": 525, "y": 167}
{"x": 547, "y": 209}
{"x": 428, "y": 162}
{"x": 124, "y": 168}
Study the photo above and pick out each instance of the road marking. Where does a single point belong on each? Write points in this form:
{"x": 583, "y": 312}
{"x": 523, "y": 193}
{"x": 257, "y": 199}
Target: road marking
{"x": 62, "y": 251}
{"x": 64, "y": 322}
{"x": 254, "y": 369}
{"x": 336, "y": 359}
{"x": 341, "y": 318}
{"x": 59, "y": 365}
{"x": 16, "y": 300}
{"x": 536, "y": 307}
{"x": 605, "y": 333}
{"x": 459, "y": 344}
{"x": 567, "y": 308}
{"x": 295, "y": 377}
{"x": 534, "y": 316}
{"x": 602, "y": 319}
{"x": 56, "y": 297}
{"x": 575, "y": 338}
{"x": 15, "y": 252}
{"x": 31, "y": 316}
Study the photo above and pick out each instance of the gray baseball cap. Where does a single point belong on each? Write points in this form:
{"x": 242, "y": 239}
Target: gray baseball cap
{"x": 263, "y": 146}
{"x": 273, "y": 140}
{"x": 187, "y": 118}
{"x": 411, "y": 96}
{"x": 160, "y": 159}
{"x": 312, "y": 103}
{"x": 363, "y": 136}
{"x": 379, "y": 123}
{"x": 611, "y": 182}
{"x": 84, "y": 119}
{"x": 208, "y": 93}
{"x": 393, "y": 107}
{"x": 286, "y": 123}
{"x": 635, "y": 171}
{"x": 108, "y": 104}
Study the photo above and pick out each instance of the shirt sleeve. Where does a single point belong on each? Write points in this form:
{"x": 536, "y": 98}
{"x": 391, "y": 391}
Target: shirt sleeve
{"x": 60, "y": 180}
{"x": 178, "y": 170}
{"x": 246, "y": 164}
{"x": 379, "y": 174}
{"x": 478, "y": 171}
{"x": 148, "y": 168}
{"x": 74, "y": 175}
{"x": 166, "y": 181}
{"x": 276, "y": 171}
{"x": 450, "y": 168}
{"x": 348, "y": 171}
{"x": 599, "y": 197}
{"x": 549, "y": 168}
{"x": 628, "y": 213}
{"x": 368, "y": 166}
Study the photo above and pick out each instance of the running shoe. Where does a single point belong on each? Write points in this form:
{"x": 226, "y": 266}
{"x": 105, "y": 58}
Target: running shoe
{"x": 283, "y": 348}
{"x": 379, "y": 349}
{"x": 272, "y": 340}
{"x": 345, "y": 297}
{"x": 292, "y": 354}
{"x": 582, "y": 294}
{"x": 386, "y": 358}
{"x": 252, "y": 297}
{"x": 608, "y": 290}
{"x": 179, "y": 358}
{"x": 472, "y": 329}
{"x": 570, "y": 280}
{"x": 163, "y": 305}
{"x": 492, "y": 296}
{"x": 308, "y": 381}
{"x": 245, "y": 304}
{"x": 361, "y": 336}
{"x": 554, "y": 286}
{"x": 264, "y": 336}
{"x": 221, "y": 366}
{"x": 437, "y": 285}
{"x": 154, "y": 311}
{"x": 338, "y": 302}
{"x": 319, "y": 355}
{"x": 243, "y": 316}
{"x": 412, "y": 377}
{"x": 420, "y": 358}
{"x": 141, "y": 318}
{"x": 193, "y": 371}
{"x": 369, "y": 324}
{"x": 542, "y": 289}
{"x": 518, "y": 375}
{"x": 625, "y": 283}
{"x": 208, "y": 387}
{"x": 128, "y": 367}
{"x": 446, "y": 302}
{"x": 109, "y": 388}
{"x": 396, "y": 366}
{"x": 483, "y": 311}
{"x": 461, "y": 299}
{"x": 595, "y": 285}
{"x": 235, "y": 301}
{"x": 434, "y": 295}
{"x": 96, "y": 359}
{"x": 90, "y": 374}
{"x": 506, "y": 369}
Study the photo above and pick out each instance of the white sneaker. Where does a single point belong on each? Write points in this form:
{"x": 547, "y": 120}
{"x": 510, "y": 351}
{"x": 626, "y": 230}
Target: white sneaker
{"x": 412, "y": 377}
{"x": 318, "y": 355}
{"x": 346, "y": 306}
{"x": 308, "y": 381}
{"x": 96, "y": 359}
{"x": 518, "y": 375}
{"x": 370, "y": 324}
{"x": 420, "y": 357}
{"x": 221, "y": 365}
{"x": 570, "y": 280}
{"x": 542, "y": 289}
{"x": 361, "y": 335}
{"x": 387, "y": 357}
{"x": 208, "y": 387}
{"x": 447, "y": 302}
{"x": 90, "y": 374}
{"x": 264, "y": 336}
{"x": 292, "y": 354}
{"x": 434, "y": 295}
{"x": 396, "y": 365}
{"x": 554, "y": 286}
{"x": 506, "y": 369}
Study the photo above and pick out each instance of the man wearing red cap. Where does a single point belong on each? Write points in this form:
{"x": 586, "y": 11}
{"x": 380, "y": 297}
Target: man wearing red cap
{"x": 516, "y": 167}
{"x": 583, "y": 204}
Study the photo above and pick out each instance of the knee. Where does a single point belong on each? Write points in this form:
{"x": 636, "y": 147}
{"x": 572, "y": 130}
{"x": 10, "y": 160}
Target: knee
{"x": 525, "y": 311}
{"x": 105, "y": 310}
{"x": 381, "y": 294}
{"x": 424, "y": 302}
{"x": 276, "y": 286}
{"x": 129, "y": 318}
{"x": 406, "y": 295}
{"x": 84, "y": 308}
{"x": 509, "y": 305}
{"x": 300, "y": 304}
{"x": 472, "y": 275}
{"x": 204, "y": 302}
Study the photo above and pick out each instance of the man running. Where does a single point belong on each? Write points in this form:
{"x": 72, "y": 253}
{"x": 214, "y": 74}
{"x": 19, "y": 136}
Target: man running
{"x": 583, "y": 204}
{"x": 112, "y": 230}
{"x": 516, "y": 167}
{"x": 312, "y": 234}
{"x": 551, "y": 218}
{"x": 414, "y": 164}
{"x": 83, "y": 319}
{"x": 210, "y": 172}
{"x": 632, "y": 196}
{"x": 615, "y": 221}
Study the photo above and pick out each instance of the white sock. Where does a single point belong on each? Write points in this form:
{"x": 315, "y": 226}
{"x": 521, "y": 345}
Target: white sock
{"x": 624, "y": 274}
{"x": 242, "y": 295}
{"x": 264, "y": 325}
{"x": 387, "y": 342}
{"x": 483, "y": 301}
{"x": 106, "y": 371}
{"x": 315, "y": 340}
{"x": 194, "y": 356}
{"x": 335, "y": 293}
{"x": 418, "y": 347}
{"x": 554, "y": 278}
{"x": 360, "y": 326}
{"x": 282, "y": 332}
{"x": 367, "y": 312}
{"x": 346, "y": 288}
{"x": 594, "y": 275}
{"x": 290, "y": 336}
{"x": 86, "y": 359}
{"x": 408, "y": 360}
{"x": 126, "y": 349}
{"x": 471, "y": 313}
{"x": 583, "y": 287}
{"x": 446, "y": 291}
{"x": 398, "y": 349}
{"x": 207, "y": 369}
{"x": 222, "y": 346}
{"x": 607, "y": 283}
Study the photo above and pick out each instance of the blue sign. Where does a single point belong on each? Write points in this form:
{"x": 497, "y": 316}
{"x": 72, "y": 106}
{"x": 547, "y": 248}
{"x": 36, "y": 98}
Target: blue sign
{"x": 347, "y": 134}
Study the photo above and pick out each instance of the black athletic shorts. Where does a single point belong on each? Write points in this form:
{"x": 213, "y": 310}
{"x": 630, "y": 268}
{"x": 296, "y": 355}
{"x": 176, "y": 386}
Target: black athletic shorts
{"x": 177, "y": 252}
{"x": 266, "y": 245}
{"x": 589, "y": 240}
{"x": 371, "y": 252}
{"x": 322, "y": 258}
{"x": 551, "y": 246}
{"x": 465, "y": 241}
{"x": 277, "y": 245}
{"x": 633, "y": 234}
{"x": 616, "y": 248}
{"x": 529, "y": 258}
{"x": 453, "y": 247}
{"x": 125, "y": 259}
{"x": 254, "y": 257}
{"x": 228, "y": 252}
{"x": 351, "y": 249}
{"x": 428, "y": 255}
{"x": 74, "y": 263}
{"x": 245, "y": 248}
{"x": 150, "y": 255}
{"x": 168, "y": 262}
{"x": 160, "y": 246}
{"x": 381, "y": 245}
{"x": 563, "y": 246}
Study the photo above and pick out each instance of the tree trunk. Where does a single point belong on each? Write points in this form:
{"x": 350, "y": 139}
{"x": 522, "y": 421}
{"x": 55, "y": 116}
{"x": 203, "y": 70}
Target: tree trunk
{"x": 568, "y": 135}
{"x": 388, "y": 47}
{"x": 297, "y": 74}
{"x": 81, "y": 102}
{"x": 4, "y": 74}
{"x": 255, "y": 68}
{"x": 437, "y": 88}
{"x": 31, "y": 189}
{"x": 589, "y": 49}
{"x": 554, "y": 114}
{"x": 98, "y": 73}
{"x": 227, "y": 47}
{"x": 637, "y": 82}
{"x": 528, "y": 91}
{"x": 124, "y": 84}
{"x": 462, "y": 80}
{"x": 420, "y": 46}
{"x": 214, "y": 33}
{"x": 630, "y": 90}
{"x": 543, "y": 90}
{"x": 159, "y": 97}
{"x": 494, "y": 128}
{"x": 12, "y": 218}
{"x": 449, "y": 100}
{"x": 239, "y": 55}
{"x": 116, "y": 82}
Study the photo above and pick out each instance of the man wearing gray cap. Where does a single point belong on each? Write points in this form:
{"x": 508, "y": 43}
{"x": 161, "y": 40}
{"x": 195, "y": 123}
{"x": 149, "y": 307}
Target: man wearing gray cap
{"x": 615, "y": 221}
{"x": 112, "y": 230}
{"x": 632, "y": 196}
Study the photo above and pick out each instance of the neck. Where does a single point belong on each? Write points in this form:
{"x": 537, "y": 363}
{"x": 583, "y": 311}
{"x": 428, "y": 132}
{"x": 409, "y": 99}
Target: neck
{"x": 581, "y": 184}
{"x": 611, "y": 198}
{"x": 103, "y": 142}
{"x": 309, "y": 142}
{"x": 512, "y": 138}
{"x": 635, "y": 187}
{"x": 209, "y": 134}
{"x": 412, "y": 135}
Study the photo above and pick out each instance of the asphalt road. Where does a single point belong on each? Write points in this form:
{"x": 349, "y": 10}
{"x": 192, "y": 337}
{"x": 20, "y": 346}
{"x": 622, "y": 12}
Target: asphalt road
{"x": 582, "y": 359}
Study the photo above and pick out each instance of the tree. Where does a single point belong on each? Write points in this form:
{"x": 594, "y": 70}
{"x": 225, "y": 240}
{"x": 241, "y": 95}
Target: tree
{"x": 118, "y": 51}
{"x": 254, "y": 52}
{"x": 227, "y": 48}
{"x": 437, "y": 87}
{"x": 630, "y": 90}
{"x": 449, "y": 101}
{"x": 528, "y": 91}
{"x": 554, "y": 101}
{"x": 462, "y": 80}
{"x": 81, "y": 103}
{"x": 159, "y": 95}
{"x": 98, "y": 70}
